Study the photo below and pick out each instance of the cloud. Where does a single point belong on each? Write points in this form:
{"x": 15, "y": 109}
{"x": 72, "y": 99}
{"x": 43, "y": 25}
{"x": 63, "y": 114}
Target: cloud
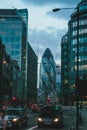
{"x": 62, "y": 14}
{"x": 45, "y": 27}
{"x": 41, "y": 19}
{"x": 40, "y": 40}
{"x": 50, "y": 2}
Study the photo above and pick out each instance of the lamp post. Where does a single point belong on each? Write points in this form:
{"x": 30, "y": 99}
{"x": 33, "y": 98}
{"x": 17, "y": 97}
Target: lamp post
{"x": 77, "y": 74}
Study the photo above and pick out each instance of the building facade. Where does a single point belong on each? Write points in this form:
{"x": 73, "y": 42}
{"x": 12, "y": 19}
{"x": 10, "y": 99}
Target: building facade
{"x": 13, "y": 32}
{"x": 8, "y": 76}
{"x": 65, "y": 68}
{"x": 77, "y": 32}
{"x": 58, "y": 82}
{"x": 32, "y": 64}
{"x": 47, "y": 84}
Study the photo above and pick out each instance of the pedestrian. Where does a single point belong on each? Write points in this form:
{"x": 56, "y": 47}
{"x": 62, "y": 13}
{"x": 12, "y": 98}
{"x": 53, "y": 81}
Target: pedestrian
{"x": 3, "y": 120}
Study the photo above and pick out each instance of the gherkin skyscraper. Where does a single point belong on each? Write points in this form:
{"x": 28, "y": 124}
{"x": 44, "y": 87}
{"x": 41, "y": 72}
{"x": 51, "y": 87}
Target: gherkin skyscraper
{"x": 48, "y": 77}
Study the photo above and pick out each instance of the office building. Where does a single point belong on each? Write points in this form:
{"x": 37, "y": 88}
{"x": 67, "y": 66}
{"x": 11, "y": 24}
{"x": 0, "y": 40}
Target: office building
{"x": 13, "y": 32}
{"x": 47, "y": 84}
{"x": 78, "y": 21}
{"x": 32, "y": 64}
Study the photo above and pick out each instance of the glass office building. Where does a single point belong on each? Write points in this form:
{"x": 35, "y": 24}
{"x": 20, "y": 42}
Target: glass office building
{"x": 31, "y": 75}
{"x": 48, "y": 77}
{"x": 65, "y": 68}
{"x": 82, "y": 43}
{"x": 13, "y": 32}
{"x": 77, "y": 32}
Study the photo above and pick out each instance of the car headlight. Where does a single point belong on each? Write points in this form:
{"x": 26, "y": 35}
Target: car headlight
{"x": 56, "y": 120}
{"x": 40, "y": 119}
{"x": 15, "y": 119}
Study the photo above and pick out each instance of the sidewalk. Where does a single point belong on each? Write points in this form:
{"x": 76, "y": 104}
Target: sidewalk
{"x": 83, "y": 125}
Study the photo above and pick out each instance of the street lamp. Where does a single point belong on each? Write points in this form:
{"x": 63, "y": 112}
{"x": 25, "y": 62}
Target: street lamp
{"x": 77, "y": 74}
{"x": 4, "y": 62}
{"x": 58, "y": 9}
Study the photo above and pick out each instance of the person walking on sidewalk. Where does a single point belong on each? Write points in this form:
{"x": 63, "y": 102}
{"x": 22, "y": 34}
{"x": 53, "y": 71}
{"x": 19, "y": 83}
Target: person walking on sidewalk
{"x": 3, "y": 120}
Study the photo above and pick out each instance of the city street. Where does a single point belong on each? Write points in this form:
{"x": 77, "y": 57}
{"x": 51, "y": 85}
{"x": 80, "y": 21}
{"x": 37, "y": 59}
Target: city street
{"x": 43, "y": 65}
{"x": 69, "y": 121}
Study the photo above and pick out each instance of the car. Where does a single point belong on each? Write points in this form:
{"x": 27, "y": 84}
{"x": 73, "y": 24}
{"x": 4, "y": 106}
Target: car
{"x": 17, "y": 116}
{"x": 50, "y": 116}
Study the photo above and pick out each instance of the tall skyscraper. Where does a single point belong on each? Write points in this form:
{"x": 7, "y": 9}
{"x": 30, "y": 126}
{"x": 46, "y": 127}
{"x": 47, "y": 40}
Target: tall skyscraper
{"x": 47, "y": 77}
{"x": 69, "y": 42}
{"x": 13, "y": 32}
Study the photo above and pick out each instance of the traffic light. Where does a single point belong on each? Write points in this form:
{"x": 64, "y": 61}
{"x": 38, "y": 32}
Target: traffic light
{"x": 48, "y": 99}
{"x": 14, "y": 99}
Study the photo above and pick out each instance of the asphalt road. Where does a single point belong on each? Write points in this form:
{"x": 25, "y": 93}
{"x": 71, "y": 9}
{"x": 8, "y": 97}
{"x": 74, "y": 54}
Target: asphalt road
{"x": 69, "y": 121}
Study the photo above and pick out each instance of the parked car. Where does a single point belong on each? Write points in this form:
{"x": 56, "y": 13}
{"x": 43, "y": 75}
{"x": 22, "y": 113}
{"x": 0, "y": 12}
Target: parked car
{"x": 17, "y": 116}
{"x": 50, "y": 115}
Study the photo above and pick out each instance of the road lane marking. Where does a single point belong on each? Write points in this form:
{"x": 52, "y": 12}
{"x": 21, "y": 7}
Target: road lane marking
{"x": 32, "y": 128}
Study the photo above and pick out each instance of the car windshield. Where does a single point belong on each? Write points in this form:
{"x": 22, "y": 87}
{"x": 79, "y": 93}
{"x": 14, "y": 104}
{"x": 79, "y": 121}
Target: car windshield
{"x": 12, "y": 112}
{"x": 49, "y": 111}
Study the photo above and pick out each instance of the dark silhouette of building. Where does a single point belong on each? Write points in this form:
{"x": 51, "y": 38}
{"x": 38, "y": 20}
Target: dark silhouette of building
{"x": 8, "y": 81}
{"x": 32, "y": 64}
{"x": 13, "y": 32}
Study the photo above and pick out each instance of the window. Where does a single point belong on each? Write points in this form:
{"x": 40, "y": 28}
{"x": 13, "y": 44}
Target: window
{"x": 82, "y": 31}
{"x": 74, "y": 41}
{"x": 74, "y": 33}
{"x": 83, "y": 22}
{"x": 74, "y": 24}
{"x": 83, "y": 7}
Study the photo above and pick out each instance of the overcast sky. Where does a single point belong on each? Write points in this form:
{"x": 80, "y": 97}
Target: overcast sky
{"x": 45, "y": 28}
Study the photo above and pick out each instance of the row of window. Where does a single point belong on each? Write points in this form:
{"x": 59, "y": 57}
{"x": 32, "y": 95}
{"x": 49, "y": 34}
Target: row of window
{"x": 81, "y": 40}
{"x": 81, "y": 67}
{"x": 82, "y": 49}
{"x": 10, "y": 19}
{"x": 81, "y": 31}
{"x": 81, "y": 22}
{"x": 84, "y": 7}
{"x": 81, "y": 58}
{"x": 10, "y": 39}
{"x": 13, "y": 25}
{"x": 15, "y": 46}
{"x": 11, "y": 32}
